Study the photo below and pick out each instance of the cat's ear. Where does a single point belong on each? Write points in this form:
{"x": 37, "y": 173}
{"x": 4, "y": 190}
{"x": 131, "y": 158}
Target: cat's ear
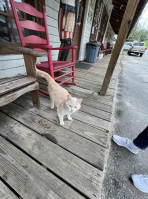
{"x": 80, "y": 101}
{"x": 68, "y": 97}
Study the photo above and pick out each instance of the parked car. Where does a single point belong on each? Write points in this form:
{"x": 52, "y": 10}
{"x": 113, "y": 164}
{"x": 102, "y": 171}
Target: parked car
{"x": 127, "y": 46}
{"x": 137, "y": 48}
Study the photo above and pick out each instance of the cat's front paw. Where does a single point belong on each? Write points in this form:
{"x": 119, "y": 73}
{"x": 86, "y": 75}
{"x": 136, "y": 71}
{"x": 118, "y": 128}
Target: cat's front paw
{"x": 61, "y": 123}
{"x": 52, "y": 107}
{"x": 69, "y": 118}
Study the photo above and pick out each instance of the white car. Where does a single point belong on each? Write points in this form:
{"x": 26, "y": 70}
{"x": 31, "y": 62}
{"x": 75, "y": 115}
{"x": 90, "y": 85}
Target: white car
{"x": 127, "y": 46}
{"x": 137, "y": 48}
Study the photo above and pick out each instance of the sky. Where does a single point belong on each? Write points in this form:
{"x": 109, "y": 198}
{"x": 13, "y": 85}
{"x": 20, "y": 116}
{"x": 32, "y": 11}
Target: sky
{"x": 143, "y": 20}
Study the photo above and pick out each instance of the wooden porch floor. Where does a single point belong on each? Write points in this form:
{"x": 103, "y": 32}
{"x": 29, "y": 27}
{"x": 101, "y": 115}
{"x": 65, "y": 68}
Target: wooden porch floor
{"x": 40, "y": 159}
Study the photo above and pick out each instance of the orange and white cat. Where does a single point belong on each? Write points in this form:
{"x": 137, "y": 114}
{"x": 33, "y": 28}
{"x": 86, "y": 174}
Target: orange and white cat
{"x": 65, "y": 103}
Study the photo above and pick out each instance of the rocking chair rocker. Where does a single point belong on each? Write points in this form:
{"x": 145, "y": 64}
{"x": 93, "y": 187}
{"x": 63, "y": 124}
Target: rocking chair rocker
{"x": 38, "y": 43}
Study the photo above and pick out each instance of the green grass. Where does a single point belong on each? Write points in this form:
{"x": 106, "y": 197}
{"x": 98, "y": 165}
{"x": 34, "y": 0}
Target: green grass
{"x": 146, "y": 43}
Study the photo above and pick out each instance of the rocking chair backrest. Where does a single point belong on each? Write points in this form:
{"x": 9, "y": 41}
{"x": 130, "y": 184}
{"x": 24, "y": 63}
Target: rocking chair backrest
{"x": 28, "y": 24}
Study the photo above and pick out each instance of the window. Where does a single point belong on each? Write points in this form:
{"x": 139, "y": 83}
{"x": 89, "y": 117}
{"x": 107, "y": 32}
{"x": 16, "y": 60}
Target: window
{"x": 141, "y": 44}
{"x": 138, "y": 44}
{"x": 129, "y": 44}
{"x": 8, "y": 29}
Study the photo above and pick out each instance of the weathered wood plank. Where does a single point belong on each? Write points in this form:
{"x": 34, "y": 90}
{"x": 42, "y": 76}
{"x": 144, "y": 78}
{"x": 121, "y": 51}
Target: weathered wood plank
{"x": 85, "y": 92}
{"x": 93, "y": 97}
{"x": 88, "y": 93}
{"x": 93, "y": 87}
{"x": 92, "y": 82}
{"x": 5, "y": 192}
{"x": 6, "y": 99}
{"x": 87, "y": 150}
{"x": 5, "y": 49}
{"x": 89, "y": 106}
{"x": 16, "y": 84}
{"x": 29, "y": 179}
{"x": 98, "y": 135}
{"x": 80, "y": 115}
{"x": 45, "y": 111}
{"x": 96, "y": 104}
{"x": 92, "y": 120}
{"x": 6, "y": 80}
{"x": 94, "y": 72}
{"x": 73, "y": 170}
{"x": 96, "y": 112}
{"x": 91, "y": 74}
{"x": 87, "y": 101}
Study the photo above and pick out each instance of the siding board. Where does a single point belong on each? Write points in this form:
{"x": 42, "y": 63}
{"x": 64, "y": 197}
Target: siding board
{"x": 7, "y": 64}
{"x": 10, "y": 57}
{"x": 51, "y": 13}
{"x": 52, "y": 22}
{"x": 54, "y": 38}
{"x": 53, "y": 4}
{"x": 53, "y": 31}
{"x": 12, "y": 72}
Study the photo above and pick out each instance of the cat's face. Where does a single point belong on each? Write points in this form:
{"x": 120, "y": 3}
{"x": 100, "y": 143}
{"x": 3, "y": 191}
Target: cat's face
{"x": 73, "y": 104}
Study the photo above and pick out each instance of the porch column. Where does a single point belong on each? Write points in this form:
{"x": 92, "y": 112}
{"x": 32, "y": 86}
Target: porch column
{"x": 124, "y": 29}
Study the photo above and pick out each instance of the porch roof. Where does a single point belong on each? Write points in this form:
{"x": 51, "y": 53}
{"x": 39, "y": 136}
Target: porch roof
{"x": 119, "y": 7}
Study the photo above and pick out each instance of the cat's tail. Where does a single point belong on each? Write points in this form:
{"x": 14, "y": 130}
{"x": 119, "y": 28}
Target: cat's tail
{"x": 45, "y": 75}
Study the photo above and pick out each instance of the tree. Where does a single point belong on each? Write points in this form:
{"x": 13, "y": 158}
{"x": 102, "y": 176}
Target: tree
{"x": 139, "y": 32}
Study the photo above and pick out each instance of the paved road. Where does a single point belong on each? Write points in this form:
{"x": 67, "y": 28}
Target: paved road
{"x": 130, "y": 119}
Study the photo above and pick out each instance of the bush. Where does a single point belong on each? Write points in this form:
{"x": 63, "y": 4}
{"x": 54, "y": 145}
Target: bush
{"x": 146, "y": 43}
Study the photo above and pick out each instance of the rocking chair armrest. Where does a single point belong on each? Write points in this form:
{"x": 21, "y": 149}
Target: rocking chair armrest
{"x": 64, "y": 48}
{"x": 51, "y": 48}
{"x": 5, "y": 50}
{"x": 40, "y": 46}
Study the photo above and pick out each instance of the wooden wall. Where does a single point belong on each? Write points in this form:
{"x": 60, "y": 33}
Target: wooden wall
{"x": 14, "y": 65}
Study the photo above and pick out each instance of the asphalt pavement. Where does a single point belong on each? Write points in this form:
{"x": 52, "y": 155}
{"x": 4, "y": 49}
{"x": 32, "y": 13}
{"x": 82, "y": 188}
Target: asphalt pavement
{"x": 131, "y": 117}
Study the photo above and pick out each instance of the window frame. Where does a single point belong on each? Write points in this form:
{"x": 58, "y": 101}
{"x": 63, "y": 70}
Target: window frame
{"x": 10, "y": 19}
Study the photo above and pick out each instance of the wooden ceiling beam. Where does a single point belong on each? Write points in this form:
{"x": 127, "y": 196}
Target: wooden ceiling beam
{"x": 118, "y": 10}
{"x": 116, "y": 24}
{"x": 119, "y": 5}
{"x": 119, "y": 2}
{"x": 117, "y": 15}
{"x": 116, "y": 27}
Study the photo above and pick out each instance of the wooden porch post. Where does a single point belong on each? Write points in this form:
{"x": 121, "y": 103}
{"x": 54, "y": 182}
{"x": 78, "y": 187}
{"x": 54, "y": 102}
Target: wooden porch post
{"x": 124, "y": 29}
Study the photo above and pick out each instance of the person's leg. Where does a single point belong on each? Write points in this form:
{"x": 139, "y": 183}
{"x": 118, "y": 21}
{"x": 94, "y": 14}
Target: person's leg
{"x": 121, "y": 141}
{"x": 142, "y": 139}
{"x": 141, "y": 142}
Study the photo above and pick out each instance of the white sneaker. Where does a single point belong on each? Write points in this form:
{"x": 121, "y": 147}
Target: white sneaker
{"x": 140, "y": 182}
{"x": 126, "y": 143}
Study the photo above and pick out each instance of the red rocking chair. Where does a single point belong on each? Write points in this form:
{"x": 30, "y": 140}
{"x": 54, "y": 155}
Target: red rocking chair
{"x": 39, "y": 43}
